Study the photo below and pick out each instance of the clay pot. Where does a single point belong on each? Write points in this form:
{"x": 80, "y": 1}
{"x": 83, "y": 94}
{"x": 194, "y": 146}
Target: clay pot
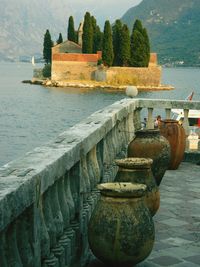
{"x": 175, "y": 134}
{"x": 121, "y": 229}
{"x": 138, "y": 170}
{"x": 149, "y": 143}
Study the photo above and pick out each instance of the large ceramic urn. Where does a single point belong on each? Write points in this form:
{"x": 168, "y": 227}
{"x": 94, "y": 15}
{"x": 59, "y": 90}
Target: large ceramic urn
{"x": 121, "y": 229}
{"x": 149, "y": 143}
{"x": 138, "y": 170}
{"x": 175, "y": 134}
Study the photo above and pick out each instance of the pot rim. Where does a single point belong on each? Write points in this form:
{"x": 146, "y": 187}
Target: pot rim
{"x": 134, "y": 163}
{"x": 150, "y": 131}
{"x": 169, "y": 121}
{"x": 122, "y": 190}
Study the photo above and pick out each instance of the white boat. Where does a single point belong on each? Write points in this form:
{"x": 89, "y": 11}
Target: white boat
{"x": 193, "y": 118}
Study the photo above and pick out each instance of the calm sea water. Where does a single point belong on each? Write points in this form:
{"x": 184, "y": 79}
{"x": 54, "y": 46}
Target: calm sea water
{"x": 31, "y": 115}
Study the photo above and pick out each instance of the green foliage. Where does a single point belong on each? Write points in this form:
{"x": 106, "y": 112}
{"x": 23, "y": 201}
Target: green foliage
{"x": 60, "y": 39}
{"x": 71, "y": 34}
{"x": 173, "y": 27}
{"x": 47, "y": 45}
{"x": 98, "y": 39}
{"x": 116, "y": 33}
{"x": 107, "y": 53}
{"x": 46, "y": 71}
{"x": 99, "y": 62}
{"x": 97, "y": 36}
{"x": 125, "y": 46}
{"x": 140, "y": 48}
{"x": 87, "y": 38}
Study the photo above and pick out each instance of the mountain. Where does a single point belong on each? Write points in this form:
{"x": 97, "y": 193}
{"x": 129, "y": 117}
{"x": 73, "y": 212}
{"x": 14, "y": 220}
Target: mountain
{"x": 173, "y": 27}
{"x": 23, "y": 25}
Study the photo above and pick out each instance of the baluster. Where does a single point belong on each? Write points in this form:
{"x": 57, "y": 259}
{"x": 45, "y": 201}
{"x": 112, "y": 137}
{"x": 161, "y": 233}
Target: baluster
{"x": 85, "y": 180}
{"x": 137, "y": 119}
{"x": 65, "y": 242}
{"x": 168, "y": 113}
{"x": 44, "y": 235}
{"x": 100, "y": 157}
{"x": 69, "y": 197}
{"x": 90, "y": 171}
{"x": 49, "y": 221}
{"x": 70, "y": 233}
{"x": 186, "y": 122}
{"x": 12, "y": 252}
{"x": 106, "y": 161}
{"x": 76, "y": 227}
{"x": 59, "y": 253}
{"x": 63, "y": 203}
{"x": 150, "y": 121}
{"x": 55, "y": 207}
{"x": 75, "y": 187}
{"x": 3, "y": 260}
{"x": 51, "y": 261}
{"x": 94, "y": 165}
{"x": 23, "y": 240}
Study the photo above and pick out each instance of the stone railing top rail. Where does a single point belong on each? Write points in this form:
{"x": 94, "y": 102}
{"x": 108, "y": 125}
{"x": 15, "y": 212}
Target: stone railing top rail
{"x": 170, "y": 104}
{"x": 22, "y": 181}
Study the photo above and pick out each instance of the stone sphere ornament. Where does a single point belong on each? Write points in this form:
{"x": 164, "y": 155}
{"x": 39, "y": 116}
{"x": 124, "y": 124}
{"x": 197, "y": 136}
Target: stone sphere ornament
{"x": 131, "y": 91}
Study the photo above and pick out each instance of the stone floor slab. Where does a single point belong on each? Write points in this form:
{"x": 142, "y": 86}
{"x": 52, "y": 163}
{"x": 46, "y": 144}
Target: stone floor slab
{"x": 166, "y": 261}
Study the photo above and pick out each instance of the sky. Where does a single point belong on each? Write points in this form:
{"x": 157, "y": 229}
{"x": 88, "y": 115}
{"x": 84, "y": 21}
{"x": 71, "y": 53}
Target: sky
{"x": 101, "y": 9}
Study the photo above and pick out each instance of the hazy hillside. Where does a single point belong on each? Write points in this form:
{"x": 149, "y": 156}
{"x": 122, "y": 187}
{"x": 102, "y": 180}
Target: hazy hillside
{"x": 23, "y": 24}
{"x": 173, "y": 26}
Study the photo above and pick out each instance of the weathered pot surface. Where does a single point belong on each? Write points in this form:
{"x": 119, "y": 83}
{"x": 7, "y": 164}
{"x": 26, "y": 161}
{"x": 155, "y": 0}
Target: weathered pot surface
{"x": 149, "y": 143}
{"x": 121, "y": 229}
{"x": 175, "y": 134}
{"x": 138, "y": 170}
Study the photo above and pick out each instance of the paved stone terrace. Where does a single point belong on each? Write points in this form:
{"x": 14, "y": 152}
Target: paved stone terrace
{"x": 177, "y": 222}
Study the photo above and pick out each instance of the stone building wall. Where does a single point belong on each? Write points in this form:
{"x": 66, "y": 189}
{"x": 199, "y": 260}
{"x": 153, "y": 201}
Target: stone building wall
{"x": 150, "y": 76}
{"x": 71, "y": 66}
{"x": 69, "y": 70}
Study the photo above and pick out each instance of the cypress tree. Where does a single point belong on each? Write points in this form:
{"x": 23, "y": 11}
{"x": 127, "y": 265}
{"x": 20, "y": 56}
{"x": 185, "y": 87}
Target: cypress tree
{"x": 47, "y": 45}
{"x": 71, "y": 34}
{"x": 117, "y": 30}
{"x": 107, "y": 53}
{"x": 97, "y": 36}
{"x": 60, "y": 39}
{"x": 140, "y": 47}
{"x": 147, "y": 47}
{"x": 87, "y": 46}
{"x": 137, "y": 50}
{"x": 125, "y": 46}
{"x": 98, "y": 39}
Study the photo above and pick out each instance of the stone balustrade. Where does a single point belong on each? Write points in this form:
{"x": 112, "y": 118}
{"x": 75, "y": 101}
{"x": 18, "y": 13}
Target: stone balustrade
{"x": 46, "y": 197}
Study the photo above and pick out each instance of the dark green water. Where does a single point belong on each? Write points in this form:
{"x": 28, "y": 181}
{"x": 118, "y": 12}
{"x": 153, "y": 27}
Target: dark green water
{"x": 32, "y": 115}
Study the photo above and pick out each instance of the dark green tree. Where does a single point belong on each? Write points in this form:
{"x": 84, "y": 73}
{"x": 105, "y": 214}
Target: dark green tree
{"x": 137, "y": 50}
{"x": 140, "y": 47}
{"x": 87, "y": 38}
{"x": 98, "y": 40}
{"x": 124, "y": 53}
{"x": 71, "y": 34}
{"x": 60, "y": 39}
{"x": 147, "y": 47}
{"x": 47, "y": 45}
{"x": 97, "y": 36}
{"x": 116, "y": 34}
{"x": 107, "y": 53}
